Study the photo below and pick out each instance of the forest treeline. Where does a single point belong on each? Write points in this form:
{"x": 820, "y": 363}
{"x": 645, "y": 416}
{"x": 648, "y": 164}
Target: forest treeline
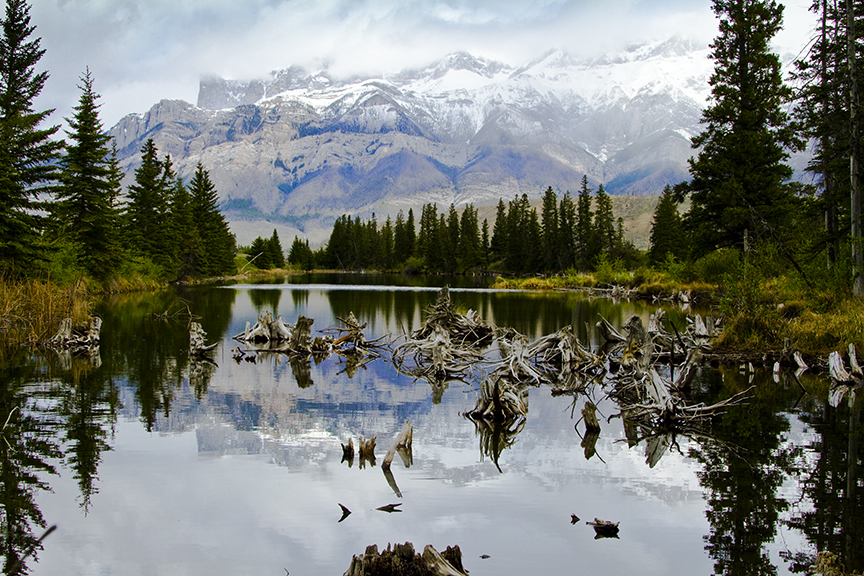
{"x": 567, "y": 233}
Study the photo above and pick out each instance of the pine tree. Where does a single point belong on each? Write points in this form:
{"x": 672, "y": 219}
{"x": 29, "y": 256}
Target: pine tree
{"x": 567, "y": 231}
{"x": 259, "y": 253}
{"x": 187, "y": 255}
{"x": 498, "y": 244}
{"x": 216, "y": 240}
{"x": 27, "y": 152}
{"x": 550, "y": 231}
{"x": 604, "y": 225}
{"x": 275, "y": 252}
{"x": 470, "y": 249}
{"x": 739, "y": 176}
{"x": 584, "y": 227}
{"x": 822, "y": 110}
{"x": 410, "y": 235}
{"x": 147, "y": 204}
{"x": 85, "y": 211}
{"x": 667, "y": 234}
{"x": 387, "y": 247}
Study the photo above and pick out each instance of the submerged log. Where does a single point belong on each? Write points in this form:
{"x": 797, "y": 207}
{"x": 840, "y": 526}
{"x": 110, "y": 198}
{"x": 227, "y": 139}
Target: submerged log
{"x": 604, "y": 528}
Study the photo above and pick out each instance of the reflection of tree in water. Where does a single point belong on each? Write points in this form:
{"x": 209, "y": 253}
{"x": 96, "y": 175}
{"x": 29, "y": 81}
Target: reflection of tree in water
{"x": 88, "y": 409}
{"x": 299, "y": 298}
{"x": 153, "y": 351}
{"x": 26, "y": 445}
{"x": 741, "y": 475}
{"x": 264, "y": 299}
{"x": 836, "y": 522}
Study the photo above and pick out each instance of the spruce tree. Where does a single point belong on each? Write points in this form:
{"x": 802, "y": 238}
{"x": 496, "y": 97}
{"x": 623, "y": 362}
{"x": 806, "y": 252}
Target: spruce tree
{"x": 584, "y": 227}
{"x": 470, "y": 249}
{"x": 27, "y": 152}
{"x": 216, "y": 240}
{"x": 184, "y": 234}
{"x": 667, "y": 234}
{"x": 550, "y": 231}
{"x": 604, "y": 225}
{"x": 85, "y": 211}
{"x": 739, "y": 176}
{"x": 146, "y": 206}
{"x": 567, "y": 231}
{"x": 499, "y": 241}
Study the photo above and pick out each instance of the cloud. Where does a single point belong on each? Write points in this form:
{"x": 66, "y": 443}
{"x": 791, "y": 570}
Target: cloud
{"x": 141, "y": 51}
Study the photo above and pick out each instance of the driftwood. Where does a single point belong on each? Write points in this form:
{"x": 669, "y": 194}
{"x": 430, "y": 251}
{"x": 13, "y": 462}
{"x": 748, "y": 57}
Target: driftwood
{"x": 845, "y": 383}
{"x": 266, "y": 329}
{"x": 402, "y": 446}
{"x": 500, "y": 401}
{"x": 403, "y": 560}
{"x": 68, "y": 339}
{"x": 197, "y": 341}
{"x": 463, "y": 329}
{"x": 604, "y": 528}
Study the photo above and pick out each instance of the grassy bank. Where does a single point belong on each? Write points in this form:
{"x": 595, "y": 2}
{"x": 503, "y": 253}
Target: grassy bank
{"x": 761, "y": 314}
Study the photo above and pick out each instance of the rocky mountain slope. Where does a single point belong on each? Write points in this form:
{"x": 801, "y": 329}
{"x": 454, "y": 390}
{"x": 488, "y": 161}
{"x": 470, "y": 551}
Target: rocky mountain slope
{"x": 296, "y": 150}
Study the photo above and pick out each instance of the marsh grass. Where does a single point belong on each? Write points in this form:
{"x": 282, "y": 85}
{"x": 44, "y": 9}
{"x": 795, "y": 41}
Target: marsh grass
{"x": 31, "y": 310}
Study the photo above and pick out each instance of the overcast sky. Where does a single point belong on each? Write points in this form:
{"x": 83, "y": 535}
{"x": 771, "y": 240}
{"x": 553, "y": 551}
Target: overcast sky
{"x": 141, "y": 51}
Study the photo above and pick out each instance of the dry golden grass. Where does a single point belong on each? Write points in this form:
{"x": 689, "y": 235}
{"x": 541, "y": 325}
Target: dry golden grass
{"x": 31, "y": 311}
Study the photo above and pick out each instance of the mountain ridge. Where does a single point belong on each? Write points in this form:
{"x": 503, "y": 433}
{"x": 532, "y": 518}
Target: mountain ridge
{"x": 301, "y": 147}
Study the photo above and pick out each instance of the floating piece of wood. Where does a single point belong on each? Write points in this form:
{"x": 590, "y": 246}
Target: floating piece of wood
{"x": 366, "y": 450}
{"x": 389, "y": 508}
{"x": 403, "y": 560}
{"x": 604, "y": 528}
{"x": 573, "y": 519}
{"x": 345, "y": 512}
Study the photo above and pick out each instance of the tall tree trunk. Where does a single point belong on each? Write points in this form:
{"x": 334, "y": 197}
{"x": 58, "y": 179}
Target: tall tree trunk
{"x": 855, "y": 193}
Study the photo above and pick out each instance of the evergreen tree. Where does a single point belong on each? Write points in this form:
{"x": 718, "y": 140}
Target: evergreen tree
{"x": 410, "y": 235}
{"x": 400, "y": 239}
{"x": 259, "y": 253}
{"x": 147, "y": 204}
{"x": 499, "y": 242}
{"x": 485, "y": 243}
{"x": 451, "y": 239}
{"x": 387, "y": 248}
{"x": 604, "y": 225}
{"x": 187, "y": 255}
{"x": 216, "y": 240}
{"x": 470, "y": 249}
{"x": 274, "y": 250}
{"x": 739, "y": 175}
{"x": 301, "y": 255}
{"x": 85, "y": 211}
{"x": 667, "y": 234}
{"x": 550, "y": 231}
{"x": 533, "y": 249}
{"x": 27, "y": 152}
{"x": 567, "y": 231}
{"x": 584, "y": 227}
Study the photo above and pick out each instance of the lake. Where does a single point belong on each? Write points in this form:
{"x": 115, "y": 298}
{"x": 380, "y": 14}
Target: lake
{"x": 150, "y": 464}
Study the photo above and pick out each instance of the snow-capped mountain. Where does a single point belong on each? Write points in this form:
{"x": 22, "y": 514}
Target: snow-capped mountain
{"x": 304, "y": 147}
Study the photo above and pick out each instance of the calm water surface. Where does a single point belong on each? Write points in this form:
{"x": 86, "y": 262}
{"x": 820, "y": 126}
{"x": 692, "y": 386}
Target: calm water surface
{"x": 148, "y": 464}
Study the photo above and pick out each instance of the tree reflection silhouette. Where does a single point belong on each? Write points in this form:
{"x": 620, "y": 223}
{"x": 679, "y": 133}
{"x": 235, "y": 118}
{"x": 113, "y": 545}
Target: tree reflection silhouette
{"x": 26, "y": 446}
{"x": 832, "y": 484}
{"x": 741, "y": 483}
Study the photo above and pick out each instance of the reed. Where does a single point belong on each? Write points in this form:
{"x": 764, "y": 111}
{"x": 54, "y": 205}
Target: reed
{"x": 31, "y": 310}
